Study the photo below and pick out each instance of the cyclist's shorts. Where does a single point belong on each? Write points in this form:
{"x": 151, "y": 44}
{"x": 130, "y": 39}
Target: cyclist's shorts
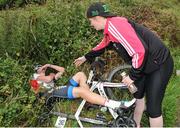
{"x": 65, "y": 91}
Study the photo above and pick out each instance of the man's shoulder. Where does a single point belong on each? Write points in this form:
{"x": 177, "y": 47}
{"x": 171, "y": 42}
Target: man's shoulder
{"x": 118, "y": 18}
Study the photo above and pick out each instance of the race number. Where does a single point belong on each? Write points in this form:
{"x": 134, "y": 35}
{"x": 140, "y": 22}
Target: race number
{"x": 60, "y": 122}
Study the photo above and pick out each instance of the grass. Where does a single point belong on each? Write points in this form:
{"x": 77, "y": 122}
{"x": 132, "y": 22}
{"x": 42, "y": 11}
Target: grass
{"x": 170, "y": 106}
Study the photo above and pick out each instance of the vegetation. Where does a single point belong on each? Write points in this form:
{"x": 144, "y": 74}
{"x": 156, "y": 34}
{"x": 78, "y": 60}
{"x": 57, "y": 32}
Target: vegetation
{"x": 6, "y": 4}
{"x": 58, "y": 32}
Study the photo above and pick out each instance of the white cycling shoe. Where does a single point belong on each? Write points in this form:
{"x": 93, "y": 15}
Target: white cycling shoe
{"x": 127, "y": 104}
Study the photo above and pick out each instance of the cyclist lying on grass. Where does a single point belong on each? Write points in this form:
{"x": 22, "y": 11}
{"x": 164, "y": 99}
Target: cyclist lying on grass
{"x": 76, "y": 87}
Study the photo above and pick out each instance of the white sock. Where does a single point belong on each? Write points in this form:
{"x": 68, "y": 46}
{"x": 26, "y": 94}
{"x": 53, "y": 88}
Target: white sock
{"x": 112, "y": 104}
{"x": 116, "y": 104}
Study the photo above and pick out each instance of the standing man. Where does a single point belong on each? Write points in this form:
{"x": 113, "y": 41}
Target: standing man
{"x": 152, "y": 64}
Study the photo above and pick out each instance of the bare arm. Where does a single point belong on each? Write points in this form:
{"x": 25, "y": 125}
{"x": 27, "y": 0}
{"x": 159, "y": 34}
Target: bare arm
{"x": 59, "y": 69}
{"x": 55, "y": 67}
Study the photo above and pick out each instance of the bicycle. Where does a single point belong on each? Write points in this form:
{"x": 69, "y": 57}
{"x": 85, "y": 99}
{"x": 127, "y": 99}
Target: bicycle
{"x": 122, "y": 117}
{"x": 115, "y": 94}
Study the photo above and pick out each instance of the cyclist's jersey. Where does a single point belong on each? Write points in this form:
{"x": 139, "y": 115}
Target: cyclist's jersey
{"x": 48, "y": 86}
{"x": 135, "y": 43}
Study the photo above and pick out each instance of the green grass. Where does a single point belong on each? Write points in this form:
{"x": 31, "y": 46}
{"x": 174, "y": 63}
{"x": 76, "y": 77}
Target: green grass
{"x": 170, "y": 106}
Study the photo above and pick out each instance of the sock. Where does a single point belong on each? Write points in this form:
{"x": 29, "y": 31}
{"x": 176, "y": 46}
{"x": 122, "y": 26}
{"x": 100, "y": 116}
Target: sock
{"x": 116, "y": 104}
{"x": 112, "y": 104}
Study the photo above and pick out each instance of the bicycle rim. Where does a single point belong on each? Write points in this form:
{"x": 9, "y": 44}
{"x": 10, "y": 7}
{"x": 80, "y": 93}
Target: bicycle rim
{"x": 118, "y": 93}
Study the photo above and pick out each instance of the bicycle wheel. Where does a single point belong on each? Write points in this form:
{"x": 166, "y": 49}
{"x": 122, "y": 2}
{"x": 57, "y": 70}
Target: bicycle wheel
{"x": 47, "y": 119}
{"x": 115, "y": 76}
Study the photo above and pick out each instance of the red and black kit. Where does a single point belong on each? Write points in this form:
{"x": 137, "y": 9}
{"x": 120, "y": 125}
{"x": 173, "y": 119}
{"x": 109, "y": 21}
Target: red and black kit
{"x": 148, "y": 56}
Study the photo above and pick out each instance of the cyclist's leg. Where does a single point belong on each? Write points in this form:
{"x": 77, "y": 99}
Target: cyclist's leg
{"x": 71, "y": 92}
{"x": 81, "y": 79}
{"x": 98, "y": 99}
{"x": 140, "y": 103}
{"x": 80, "y": 92}
{"x": 156, "y": 84}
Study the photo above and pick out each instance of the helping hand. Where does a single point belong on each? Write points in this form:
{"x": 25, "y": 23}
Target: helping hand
{"x": 79, "y": 61}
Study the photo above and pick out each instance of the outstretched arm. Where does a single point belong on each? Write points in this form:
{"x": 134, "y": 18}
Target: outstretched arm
{"x": 97, "y": 51}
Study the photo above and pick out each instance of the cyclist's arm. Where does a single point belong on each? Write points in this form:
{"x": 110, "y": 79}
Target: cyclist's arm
{"x": 60, "y": 70}
{"x": 57, "y": 68}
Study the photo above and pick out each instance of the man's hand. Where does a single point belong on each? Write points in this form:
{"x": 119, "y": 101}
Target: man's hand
{"x": 127, "y": 80}
{"x": 79, "y": 61}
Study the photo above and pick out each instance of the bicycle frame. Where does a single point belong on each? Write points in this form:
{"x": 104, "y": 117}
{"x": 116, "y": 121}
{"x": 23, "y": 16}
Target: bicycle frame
{"x": 100, "y": 86}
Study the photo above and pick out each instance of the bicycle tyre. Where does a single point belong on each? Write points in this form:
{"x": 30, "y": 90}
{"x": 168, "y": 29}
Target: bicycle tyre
{"x": 46, "y": 119}
{"x": 114, "y": 76}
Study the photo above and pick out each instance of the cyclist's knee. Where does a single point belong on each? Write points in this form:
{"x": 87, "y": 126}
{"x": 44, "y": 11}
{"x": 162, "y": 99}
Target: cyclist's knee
{"x": 79, "y": 91}
{"x": 80, "y": 76}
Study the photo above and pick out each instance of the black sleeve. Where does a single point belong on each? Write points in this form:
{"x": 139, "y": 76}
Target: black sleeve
{"x": 90, "y": 56}
{"x": 135, "y": 74}
{"x": 122, "y": 52}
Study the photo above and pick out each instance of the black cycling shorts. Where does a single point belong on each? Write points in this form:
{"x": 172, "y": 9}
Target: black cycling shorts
{"x": 153, "y": 85}
{"x": 65, "y": 91}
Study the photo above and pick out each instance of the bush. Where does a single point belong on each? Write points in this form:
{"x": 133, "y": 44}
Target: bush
{"x": 15, "y": 98}
{"x": 6, "y": 4}
{"x": 58, "y": 33}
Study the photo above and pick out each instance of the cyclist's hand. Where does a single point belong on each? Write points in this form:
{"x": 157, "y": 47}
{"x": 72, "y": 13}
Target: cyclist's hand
{"x": 58, "y": 75}
{"x": 127, "y": 80}
{"x": 43, "y": 68}
{"x": 79, "y": 61}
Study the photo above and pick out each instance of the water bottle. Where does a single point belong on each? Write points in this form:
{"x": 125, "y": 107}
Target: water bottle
{"x": 132, "y": 88}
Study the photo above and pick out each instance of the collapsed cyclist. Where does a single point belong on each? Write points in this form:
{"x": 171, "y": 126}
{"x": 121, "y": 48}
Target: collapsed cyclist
{"x": 152, "y": 64}
{"x": 76, "y": 87}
